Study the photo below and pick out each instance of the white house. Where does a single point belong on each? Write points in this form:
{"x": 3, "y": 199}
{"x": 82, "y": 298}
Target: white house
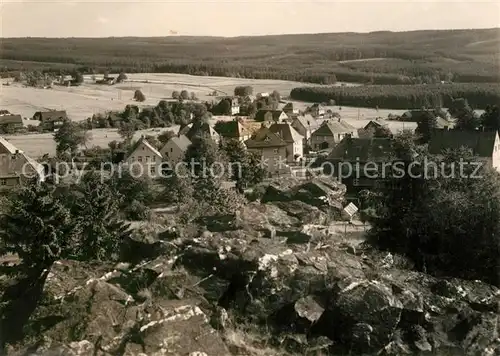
{"x": 294, "y": 140}
{"x": 175, "y": 148}
{"x": 145, "y": 160}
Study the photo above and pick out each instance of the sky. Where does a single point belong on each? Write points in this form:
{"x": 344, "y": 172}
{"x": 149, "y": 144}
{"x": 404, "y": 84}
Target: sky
{"x": 91, "y": 18}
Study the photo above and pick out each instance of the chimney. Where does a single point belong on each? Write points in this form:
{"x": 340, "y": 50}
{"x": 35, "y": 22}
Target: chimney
{"x": 339, "y": 119}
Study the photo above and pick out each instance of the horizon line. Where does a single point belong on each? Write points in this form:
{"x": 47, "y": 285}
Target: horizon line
{"x": 252, "y": 36}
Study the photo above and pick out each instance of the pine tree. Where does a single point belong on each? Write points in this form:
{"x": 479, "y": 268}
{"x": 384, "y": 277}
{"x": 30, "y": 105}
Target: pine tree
{"x": 37, "y": 227}
{"x": 96, "y": 208}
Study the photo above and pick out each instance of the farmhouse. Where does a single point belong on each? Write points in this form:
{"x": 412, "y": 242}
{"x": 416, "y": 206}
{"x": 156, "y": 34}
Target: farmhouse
{"x": 294, "y": 141}
{"x": 484, "y": 144}
{"x": 145, "y": 160}
{"x": 11, "y": 123}
{"x": 374, "y": 127}
{"x": 234, "y": 130}
{"x": 51, "y": 120}
{"x": 270, "y": 147}
{"x": 16, "y": 167}
{"x": 305, "y": 125}
{"x": 175, "y": 148}
{"x": 350, "y": 159}
{"x": 270, "y": 116}
{"x": 330, "y": 133}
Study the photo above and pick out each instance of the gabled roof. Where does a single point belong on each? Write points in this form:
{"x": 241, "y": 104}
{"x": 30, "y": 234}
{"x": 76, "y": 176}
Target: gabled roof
{"x": 52, "y": 115}
{"x": 234, "y": 129}
{"x": 371, "y": 149}
{"x": 143, "y": 140}
{"x": 286, "y": 132}
{"x": 10, "y": 166}
{"x": 8, "y": 146}
{"x": 308, "y": 121}
{"x": 190, "y": 130}
{"x": 260, "y": 115}
{"x": 377, "y": 122}
{"x": 482, "y": 143}
{"x": 11, "y": 119}
{"x": 265, "y": 138}
{"x": 331, "y": 128}
{"x": 181, "y": 141}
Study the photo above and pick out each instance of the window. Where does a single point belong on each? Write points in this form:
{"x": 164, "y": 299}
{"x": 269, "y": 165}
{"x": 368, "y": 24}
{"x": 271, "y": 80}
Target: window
{"x": 3, "y": 181}
{"x": 171, "y": 150}
{"x": 355, "y": 182}
{"x": 154, "y": 159}
{"x": 147, "y": 158}
{"x": 152, "y": 169}
{"x": 275, "y": 151}
{"x": 139, "y": 159}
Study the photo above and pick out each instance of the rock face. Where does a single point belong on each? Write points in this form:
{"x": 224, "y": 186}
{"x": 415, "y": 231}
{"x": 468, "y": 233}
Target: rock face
{"x": 257, "y": 269}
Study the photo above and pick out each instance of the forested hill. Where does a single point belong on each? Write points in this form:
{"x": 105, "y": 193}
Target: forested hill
{"x": 377, "y": 57}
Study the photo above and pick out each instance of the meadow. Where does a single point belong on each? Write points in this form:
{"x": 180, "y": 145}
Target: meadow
{"x": 83, "y": 101}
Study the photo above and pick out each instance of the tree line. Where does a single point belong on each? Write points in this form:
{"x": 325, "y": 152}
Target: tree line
{"x": 402, "y": 97}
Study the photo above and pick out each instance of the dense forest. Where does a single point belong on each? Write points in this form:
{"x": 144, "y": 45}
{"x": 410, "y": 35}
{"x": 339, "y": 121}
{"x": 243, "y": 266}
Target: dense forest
{"x": 379, "y": 58}
{"x": 402, "y": 96}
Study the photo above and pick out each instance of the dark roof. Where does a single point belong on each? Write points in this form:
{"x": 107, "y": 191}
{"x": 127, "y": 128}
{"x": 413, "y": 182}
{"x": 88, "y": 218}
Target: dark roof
{"x": 259, "y": 116}
{"x": 376, "y": 122}
{"x": 51, "y": 115}
{"x": 191, "y": 130}
{"x": 288, "y": 106}
{"x": 265, "y": 138}
{"x": 371, "y": 149}
{"x": 286, "y": 132}
{"x": 233, "y": 129}
{"x": 10, "y": 119}
{"x": 330, "y": 128}
{"x": 482, "y": 143}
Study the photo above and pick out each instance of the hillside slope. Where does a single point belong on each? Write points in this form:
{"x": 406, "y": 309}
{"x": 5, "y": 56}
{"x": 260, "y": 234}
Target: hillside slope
{"x": 403, "y": 57}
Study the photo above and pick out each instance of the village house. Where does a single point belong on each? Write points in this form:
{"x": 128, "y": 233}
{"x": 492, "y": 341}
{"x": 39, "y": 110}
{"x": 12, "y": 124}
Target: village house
{"x": 11, "y": 123}
{"x": 294, "y": 141}
{"x": 234, "y": 130}
{"x": 350, "y": 158}
{"x": 175, "y": 148}
{"x": 305, "y": 125}
{"x": 270, "y": 116}
{"x": 331, "y": 133}
{"x": 289, "y": 109}
{"x": 262, "y": 95}
{"x": 16, "y": 167}
{"x": 270, "y": 147}
{"x": 373, "y": 127}
{"x": 51, "y": 120}
{"x": 145, "y": 160}
{"x": 484, "y": 144}
{"x": 317, "y": 110}
{"x": 204, "y": 129}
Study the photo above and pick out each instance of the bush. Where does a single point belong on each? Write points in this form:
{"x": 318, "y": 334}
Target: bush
{"x": 139, "y": 96}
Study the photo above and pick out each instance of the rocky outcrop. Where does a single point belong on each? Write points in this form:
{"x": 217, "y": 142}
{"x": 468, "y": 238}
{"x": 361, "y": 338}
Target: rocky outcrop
{"x": 266, "y": 269}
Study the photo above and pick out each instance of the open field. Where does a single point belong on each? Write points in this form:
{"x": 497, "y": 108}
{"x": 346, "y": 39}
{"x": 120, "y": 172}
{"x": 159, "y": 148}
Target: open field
{"x": 469, "y": 56}
{"x": 83, "y": 101}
